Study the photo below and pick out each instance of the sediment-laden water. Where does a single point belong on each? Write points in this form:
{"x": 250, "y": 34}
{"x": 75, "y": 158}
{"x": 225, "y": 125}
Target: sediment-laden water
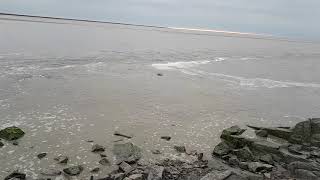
{"x": 65, "y": 83}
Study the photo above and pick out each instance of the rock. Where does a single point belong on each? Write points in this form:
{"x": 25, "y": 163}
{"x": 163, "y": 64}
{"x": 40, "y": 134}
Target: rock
{"x": 217, "y": 175}
{"x": 237, "y": 142}
{"x": 136, "y": 177}
{"x": 73, "y": 171}
{"x": 315, "y": 154}
{"x": 167, "y": 138}
{"x": 180, "y": 149}
{"x": 11, "y": 133}
{"x": 16, "y": 175}
{"x": 233, "y": 161}
{"x": 155, "y": 173}
{"x": 301, "y": 133}
{"x": 155, "y": 151}
{"x": 244, "y": 154}
{"x": 295, "y": 149}
{"x": 200, "y": 156}
{"x": 233, "y": 130}
{"x": 267, "y": 158}
{"x": 125, "y": 167}
{"x": 159, "y": 74}
{"x": 1, "y": 144}
{"x": 41, "y": 155}
{"x": 117, "y": 133}
{"x": 264, "y": 147}
{"x": 221, "y": 149}
{"x": 243, "y": 165}
{"x": 287, "y": 157}
{"x": 102, "y": 155}
{"x": 95, "y": 170}
{"x": 257, "y": 167}
{"x": 305, "y": 174}
{"x": 303, "y": 165}
{"x": 279, "y": 132}
{"x": 97, "y": 148}
{"x": 118, "y": 176}
{"x": 104, "y": 162}
{"x": 127, "y": 152}
{"x": 50, "y": 172}
{"x": 15, "y": 143}
{"x": 261, "y": 133}
{"x": 62, "y": 159}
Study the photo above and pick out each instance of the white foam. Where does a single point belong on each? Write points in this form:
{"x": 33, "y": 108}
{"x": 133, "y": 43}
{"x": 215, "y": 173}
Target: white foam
{"x": 188, "y": 68}
{"x": 179, "y": 65}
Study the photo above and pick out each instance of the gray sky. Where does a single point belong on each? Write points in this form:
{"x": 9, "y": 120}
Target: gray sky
{"x": 290, "y": 18}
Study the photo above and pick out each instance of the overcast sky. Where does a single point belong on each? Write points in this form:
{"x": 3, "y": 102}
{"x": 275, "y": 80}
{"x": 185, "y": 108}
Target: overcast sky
{"x": 290, "y": 18}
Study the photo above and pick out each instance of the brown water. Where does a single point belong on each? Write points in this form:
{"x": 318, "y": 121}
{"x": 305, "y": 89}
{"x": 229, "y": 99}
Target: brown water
{"x": 68, "y": 82}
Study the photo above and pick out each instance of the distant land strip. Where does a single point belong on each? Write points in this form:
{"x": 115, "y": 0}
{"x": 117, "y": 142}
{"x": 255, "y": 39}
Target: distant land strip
{"x": 178, "y": 29}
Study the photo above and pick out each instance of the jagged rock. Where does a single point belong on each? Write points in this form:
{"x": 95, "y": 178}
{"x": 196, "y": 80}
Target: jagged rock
{"x": 104, "y": 162}
{"x": 233, "y": 130}
{"x": 265, "y": 147}
{"x": 62, "y": 159}
{"x": 73, "y": 171}
{"x": 287, "y": 157}
{"x": 295, "y": 149}
{"x": 95, "y": 170}
{"x": 125, "y": 167}
{"x": 217, "y": 175}
{"x": 221, "y": 149}
{"x": 261, "y": 133}
{"x": 233, "y": 161}
{"x": 118, "y": 176}
{"x": 136, "y": 177}
{"x": 41, "y": 155}
{"x": 280, "y": 132}
{"x": 244, "y": 154}
{"x": 267, "y": 158}
{"x": 11, "y": 133}
{"x": 97, "y": 148}
{"x": 257, "y": 167}
{"x": 167, "y": 138}
{"x": 16, "y": 175}
{"x": 50, "y": 172}
{"x": 237, "y": 141}
{"x": 301, "y": 133}
{"x": 305, "y": 174}
{"x": 117, "y": 133}
{"x": 180, "y": 149}
{"x": 127, "y": 152}
{"x": 155, "y": 173}
{"x": 102, "y": 155}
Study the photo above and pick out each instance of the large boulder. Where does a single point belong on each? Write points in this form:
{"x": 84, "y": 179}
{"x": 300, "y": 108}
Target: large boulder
{"x": 11, "y": 133}
{"x": 307, "y": 132}
{"x": 244, "y": 154}
{"x": 237, "y": 141}
{"x": 127, "y": 152}
{"x": 221, "y": 149}
{"x": 233, "y": 130}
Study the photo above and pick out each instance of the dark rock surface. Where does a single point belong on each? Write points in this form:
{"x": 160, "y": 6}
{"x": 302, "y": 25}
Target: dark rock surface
{"x": 167, "y": 138}
{"x": 122, "y": 134}
{"x": 127, "y": 152}
{"x": 62, "y": 159}
{"x": 73, "y": 171}
{"x": 16, "y": 175}
{"x": 11, "y": 133}
{"x": 97, "y": 148}
{"x": 41, "y": 155}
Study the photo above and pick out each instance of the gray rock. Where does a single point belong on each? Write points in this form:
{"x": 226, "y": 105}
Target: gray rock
{"x": 11, "y": 133}
{"x": 102, "y": 155}
{"x": 62, "y": 159}
{"x": 136, "y": 177}
{"x": 267, "y": 158}
{"x": 117, "y": 133}
{"x": 233, "y": 130}
{"x": 244, "y": 154}
{"x": 155, "y": 173}
{"x": 261, "y": 133}
{"x": 125, "y": 167}
{"x": 265, "y": 147}
{"x": 50, "y": 172}
{"x": 287, "y": 157}
{"x": 127, "y": 152}
{"x": 243, "y": 165}
{"x": 118, "y": 176}
{"x": 236, "y": 142}
{"x": 217, "y": 175}
{"x": 41, "y": 155}
{"x": 303, "y": 165}
{"x": 16, "y": 175}
{"x": 73, "y": 171}
{"x": 221, "y": 149}
{"x": 15, "y": 143}
{"x": 180, "y": 149}
{"x": 315, "y": 153}
{"x": 104, "y": 162}
{"x": 155, "y": 151}
{"x": 1, "y": 144}
{"x": 295, "y": 149}
{"x": 95, "y": 170}
{"x": 305, "y": 174}
{"x": 97, "y": 148}
{"x": 301, "y": 133}
{"x": 279, "y": 132}
{"x": 159, "y": 74}
{"x": 167, "y": 138}
{"x": 233, "y": 161}
{"x": 257, "y": 167}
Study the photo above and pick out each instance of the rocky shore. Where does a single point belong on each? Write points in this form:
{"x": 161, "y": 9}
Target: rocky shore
{"x": 274, "y": 153}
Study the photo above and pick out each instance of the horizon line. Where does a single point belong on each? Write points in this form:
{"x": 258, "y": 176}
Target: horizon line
{"x": 225, "y": 32}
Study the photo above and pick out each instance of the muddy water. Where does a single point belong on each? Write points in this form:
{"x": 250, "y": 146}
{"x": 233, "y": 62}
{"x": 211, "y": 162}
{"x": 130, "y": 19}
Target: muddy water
{"x": 68, "y": 82}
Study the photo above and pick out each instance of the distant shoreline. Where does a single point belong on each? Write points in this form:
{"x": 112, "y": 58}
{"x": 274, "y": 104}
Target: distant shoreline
{"x": 195, "y": 31}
